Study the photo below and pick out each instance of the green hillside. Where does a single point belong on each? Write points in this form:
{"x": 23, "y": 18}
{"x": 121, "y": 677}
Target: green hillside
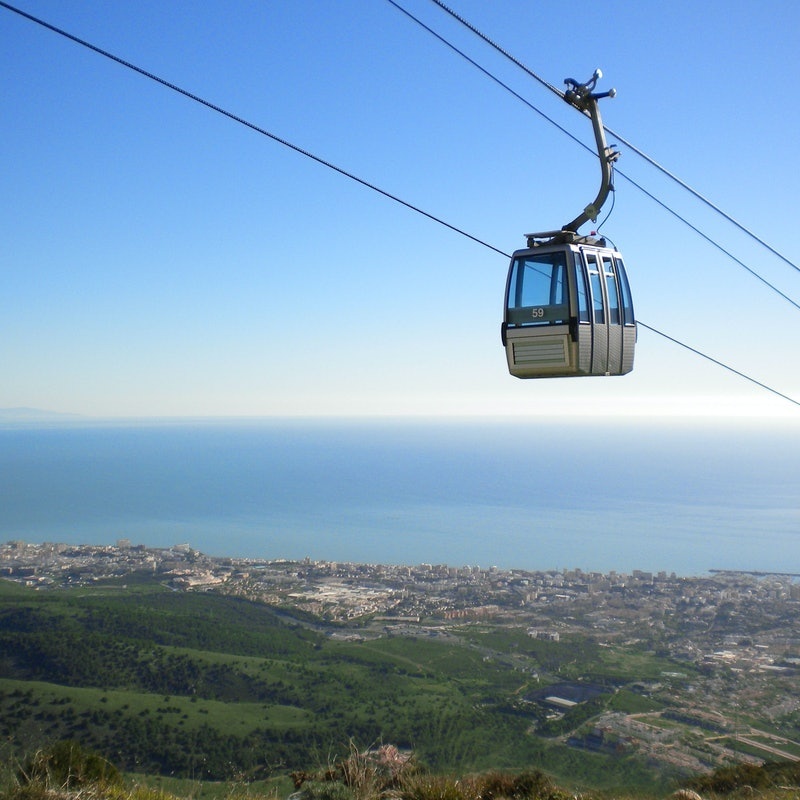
{"x": 210, "y": 687}
{"x": 215, "y": 687}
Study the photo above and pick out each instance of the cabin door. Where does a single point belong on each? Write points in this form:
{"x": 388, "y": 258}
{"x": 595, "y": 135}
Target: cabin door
{"x": 599, "y": 315}
{"x": 614, "y": 316}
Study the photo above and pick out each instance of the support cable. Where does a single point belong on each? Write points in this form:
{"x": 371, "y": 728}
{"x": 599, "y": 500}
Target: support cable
{"x": 240, "y": 120}
{"x": 341, "y": 171}
{"x": 624, "y": 141}
{"x": 720, "y": 364}
{"x": 575, "y": 139}
{"x": 499, "y": 49}
{"x": 704, "y": 200}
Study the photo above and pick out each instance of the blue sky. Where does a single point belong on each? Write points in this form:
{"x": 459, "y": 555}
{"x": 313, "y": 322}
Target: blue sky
{"x": 160, "y": 260}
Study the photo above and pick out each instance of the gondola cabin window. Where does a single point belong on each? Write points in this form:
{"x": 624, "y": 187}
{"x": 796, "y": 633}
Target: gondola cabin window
{"x": 597, "y": 289}
{"x": 628, "y": 317}
{"x": 581, "y": 288}
{"x": 538, "y": 290}
{"x": 613, "y": 291}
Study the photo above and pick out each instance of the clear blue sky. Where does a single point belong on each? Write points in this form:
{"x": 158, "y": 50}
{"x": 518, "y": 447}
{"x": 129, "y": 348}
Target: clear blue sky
{"x": 158, "y": 259}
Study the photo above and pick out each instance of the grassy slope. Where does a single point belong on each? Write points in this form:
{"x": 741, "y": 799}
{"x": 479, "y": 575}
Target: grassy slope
{"x": 218, "y": 687}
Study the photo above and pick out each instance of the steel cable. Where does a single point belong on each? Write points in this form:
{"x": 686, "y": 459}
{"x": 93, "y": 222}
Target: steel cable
{"x": 608, "y": 130}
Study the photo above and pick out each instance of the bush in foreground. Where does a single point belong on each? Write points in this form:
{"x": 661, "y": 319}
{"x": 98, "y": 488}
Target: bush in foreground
{"x": 66, "y": 771}
{"x": 67, "y": 765}
{"x": 388, "y": 774}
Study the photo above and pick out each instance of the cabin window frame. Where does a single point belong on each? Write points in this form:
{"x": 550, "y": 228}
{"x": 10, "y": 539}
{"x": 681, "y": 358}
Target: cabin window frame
{"x": 597, "y": 295}
{"x": 552, "y": 292}
{"x": 613, "y": 293}
{"x": 628, "y": 315}
{"x": 583, "y": 295}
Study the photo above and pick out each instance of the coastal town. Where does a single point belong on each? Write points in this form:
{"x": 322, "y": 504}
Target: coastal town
{"x": 759, "y": 609}
{"x": 747, "y": 621}
{"x": 732, "y": 639}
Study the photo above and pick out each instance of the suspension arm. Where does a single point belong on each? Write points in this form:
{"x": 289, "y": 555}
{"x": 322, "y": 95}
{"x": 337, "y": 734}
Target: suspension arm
{"x": 583, "y": 97}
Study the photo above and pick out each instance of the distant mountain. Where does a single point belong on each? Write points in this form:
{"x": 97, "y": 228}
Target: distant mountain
{"x": 33, "y": 415}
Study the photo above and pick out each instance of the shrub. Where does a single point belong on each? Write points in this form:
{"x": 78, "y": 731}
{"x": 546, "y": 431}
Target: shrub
{"x": 67, "y": 765}
{"x": 436, "y": 787}
{"x": 525, "y": 786}
{"x": 323, "y": 790}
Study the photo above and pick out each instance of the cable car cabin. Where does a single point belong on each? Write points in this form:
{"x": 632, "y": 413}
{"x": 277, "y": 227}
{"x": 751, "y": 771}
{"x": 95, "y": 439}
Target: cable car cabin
{"x": 568, "y": 311}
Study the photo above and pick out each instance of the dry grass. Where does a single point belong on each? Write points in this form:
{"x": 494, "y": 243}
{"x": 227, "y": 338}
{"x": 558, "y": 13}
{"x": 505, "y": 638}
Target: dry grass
{"x": 66, "y": 772}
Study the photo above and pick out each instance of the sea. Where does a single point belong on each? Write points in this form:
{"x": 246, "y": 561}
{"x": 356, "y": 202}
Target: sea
{"x": 682, "y": 496}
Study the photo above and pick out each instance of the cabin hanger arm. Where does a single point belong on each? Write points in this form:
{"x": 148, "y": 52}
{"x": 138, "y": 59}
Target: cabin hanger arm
{"x": 583, "y": 97}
